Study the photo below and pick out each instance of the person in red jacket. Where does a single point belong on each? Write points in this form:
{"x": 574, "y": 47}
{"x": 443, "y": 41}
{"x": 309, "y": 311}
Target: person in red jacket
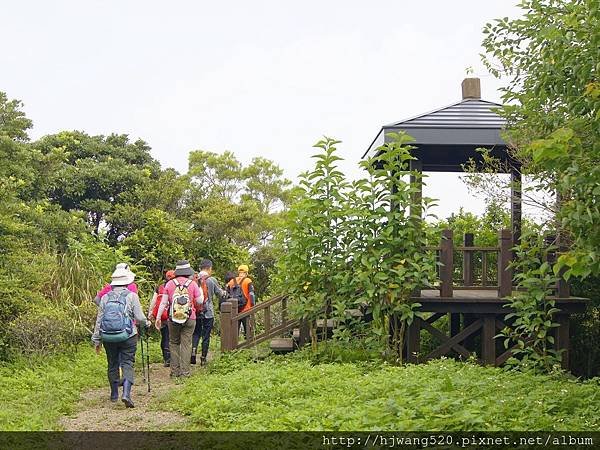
{"x": 153, "y": 311}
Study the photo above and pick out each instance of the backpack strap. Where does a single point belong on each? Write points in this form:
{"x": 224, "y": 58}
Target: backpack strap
{"x": 187, "y": 283}
{"x": 176, "y": 282}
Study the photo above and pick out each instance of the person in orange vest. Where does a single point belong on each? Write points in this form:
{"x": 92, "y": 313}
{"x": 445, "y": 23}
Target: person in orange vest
{"x": 242, "y": 289}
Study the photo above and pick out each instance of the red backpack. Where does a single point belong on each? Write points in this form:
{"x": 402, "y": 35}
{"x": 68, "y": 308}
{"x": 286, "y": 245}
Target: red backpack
{"x": 165, "y": 314}
{"x": 204, "y": 288}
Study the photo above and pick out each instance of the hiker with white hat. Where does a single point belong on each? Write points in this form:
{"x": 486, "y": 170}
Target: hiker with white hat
{"x": 108, "y": 287}
{"x": 182, "y": 297}
{"x": 116, "y": 330}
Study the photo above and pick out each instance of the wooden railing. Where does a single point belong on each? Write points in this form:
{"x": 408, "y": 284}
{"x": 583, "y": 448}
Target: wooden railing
{"x": 272, "y": 325}
{"x": 446, "y": 252}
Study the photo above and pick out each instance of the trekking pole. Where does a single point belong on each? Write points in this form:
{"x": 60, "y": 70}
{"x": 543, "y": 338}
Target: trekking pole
{"x": 147, "y": 358}
{"x": 143, "y": 357}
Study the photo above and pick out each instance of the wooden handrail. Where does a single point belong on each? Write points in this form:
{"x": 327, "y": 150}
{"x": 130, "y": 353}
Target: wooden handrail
{"x": 477, "y": 249}
{"x": 230, "y": 323}
{"x": 262, "y": 305}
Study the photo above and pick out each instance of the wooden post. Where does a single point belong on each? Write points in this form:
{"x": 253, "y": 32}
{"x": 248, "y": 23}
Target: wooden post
{"x": 561, "y": 342}
{"x": 413, "y": 341}
{"x": 484, "y": 268}
{"x": 447, "y": 259}
{"x": 504, "y": 272}
{"x": 226, "y": 329}
{"x": 488, "y": 344}
{"x": 235, "y": 326}
{"x": 468, "y": 241}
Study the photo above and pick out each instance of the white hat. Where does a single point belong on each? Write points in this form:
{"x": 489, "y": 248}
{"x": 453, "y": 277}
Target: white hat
{"x": 122, "y": 276}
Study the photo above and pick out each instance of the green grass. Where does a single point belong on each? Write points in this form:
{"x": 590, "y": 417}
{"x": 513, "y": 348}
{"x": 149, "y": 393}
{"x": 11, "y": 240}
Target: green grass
{"x": 36, "y": 393}
{"x": 293, "y": 393}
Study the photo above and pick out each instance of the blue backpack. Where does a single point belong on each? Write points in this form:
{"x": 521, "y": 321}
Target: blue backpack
{"x": 115, "y": 325}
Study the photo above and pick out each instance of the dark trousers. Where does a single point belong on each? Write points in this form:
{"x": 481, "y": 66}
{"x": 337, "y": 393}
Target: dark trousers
{"x": 164, "y": 343}
{"x": 203, "y": 328}
{"x": 123, "y": 354}
{"x": 246, "y": 322}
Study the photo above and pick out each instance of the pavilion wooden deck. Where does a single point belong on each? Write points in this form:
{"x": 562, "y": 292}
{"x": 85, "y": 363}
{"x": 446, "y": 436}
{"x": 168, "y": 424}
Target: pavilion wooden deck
{"x": 475, "y": 318}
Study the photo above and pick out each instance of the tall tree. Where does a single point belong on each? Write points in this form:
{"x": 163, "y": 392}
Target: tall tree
{"x": 13, "y": 122}
{"x": 97, "y": 174}
{"x": 551, "y": 57}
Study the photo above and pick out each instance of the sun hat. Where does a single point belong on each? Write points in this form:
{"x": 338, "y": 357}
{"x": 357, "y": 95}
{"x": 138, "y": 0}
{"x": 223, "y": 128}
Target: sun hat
{"x": 122, "y": 276}
{"x": 243, "y": 268}
{"x": 183, "y": 269}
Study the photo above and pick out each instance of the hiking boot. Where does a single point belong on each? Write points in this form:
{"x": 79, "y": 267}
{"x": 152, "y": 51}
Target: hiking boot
{"x": 203, "y": 360}
{"x": 193, "y": 358}
{"x": 114, "y": 391}
{"x": 126, "y": 398}
{"x": 167, "y": 363}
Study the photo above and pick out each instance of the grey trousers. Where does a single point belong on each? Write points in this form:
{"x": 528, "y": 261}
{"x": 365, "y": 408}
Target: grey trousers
{"x": 180, "y": 345}
{"x": 123, "y": 354}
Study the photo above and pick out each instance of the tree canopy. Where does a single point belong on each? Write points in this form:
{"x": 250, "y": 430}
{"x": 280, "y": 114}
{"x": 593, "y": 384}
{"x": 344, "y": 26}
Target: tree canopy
{"x": 551, "y": 59}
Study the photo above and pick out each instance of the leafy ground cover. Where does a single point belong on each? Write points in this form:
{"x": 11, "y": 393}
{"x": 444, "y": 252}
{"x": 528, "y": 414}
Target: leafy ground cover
{"x": 240, "y": 392}
{"x": 37, "y": 393}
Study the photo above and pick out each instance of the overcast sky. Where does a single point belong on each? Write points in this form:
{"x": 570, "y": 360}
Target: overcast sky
{"x": 258, "y": 78}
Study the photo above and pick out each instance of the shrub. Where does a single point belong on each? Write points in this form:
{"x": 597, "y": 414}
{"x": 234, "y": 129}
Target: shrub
{"x": 45, "y": 331}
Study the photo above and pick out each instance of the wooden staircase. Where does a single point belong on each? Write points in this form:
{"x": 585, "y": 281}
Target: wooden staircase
{"x": 285, "y": 334}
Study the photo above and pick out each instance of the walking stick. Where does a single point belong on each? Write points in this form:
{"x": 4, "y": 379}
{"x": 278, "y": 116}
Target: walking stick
{"x": 143, "y": 357}
{"x": 147, "y": 358}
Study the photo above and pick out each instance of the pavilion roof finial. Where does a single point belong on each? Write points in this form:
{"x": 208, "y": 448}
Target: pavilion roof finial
{"x": 471, "y": 88}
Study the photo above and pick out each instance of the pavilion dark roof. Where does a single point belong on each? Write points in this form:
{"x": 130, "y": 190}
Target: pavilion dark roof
{"x": 469, "y": 113}
{"x": 447, "y": 137}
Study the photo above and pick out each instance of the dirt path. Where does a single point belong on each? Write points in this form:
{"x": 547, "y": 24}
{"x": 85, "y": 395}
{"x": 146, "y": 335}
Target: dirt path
{"x": 97, "y": 413}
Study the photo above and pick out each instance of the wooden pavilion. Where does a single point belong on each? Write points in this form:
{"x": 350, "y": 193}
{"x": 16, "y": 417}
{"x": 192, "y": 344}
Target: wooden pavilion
{"x": 445, "y": 140}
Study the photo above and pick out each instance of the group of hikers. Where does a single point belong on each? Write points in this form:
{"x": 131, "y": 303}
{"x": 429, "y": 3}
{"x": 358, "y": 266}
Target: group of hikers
{"x": 182, "y": 309}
